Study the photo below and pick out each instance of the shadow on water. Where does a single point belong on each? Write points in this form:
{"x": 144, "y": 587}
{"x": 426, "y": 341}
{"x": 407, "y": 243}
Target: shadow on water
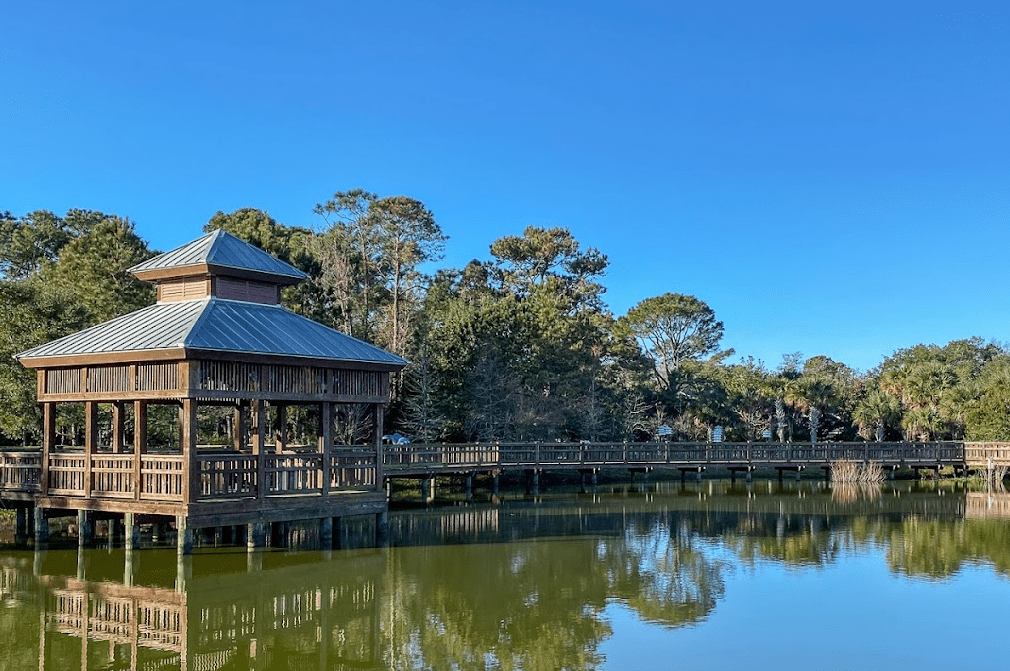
{"x": 522, "y": 584}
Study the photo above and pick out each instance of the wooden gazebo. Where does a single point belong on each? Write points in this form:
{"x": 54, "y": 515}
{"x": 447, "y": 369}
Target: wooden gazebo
{"x": 217, "y": 336}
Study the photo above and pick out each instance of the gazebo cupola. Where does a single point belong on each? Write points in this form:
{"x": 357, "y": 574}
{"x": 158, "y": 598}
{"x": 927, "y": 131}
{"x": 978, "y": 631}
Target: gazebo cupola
{"x": 216, "y": 336}
{"x": 220, "y": 265}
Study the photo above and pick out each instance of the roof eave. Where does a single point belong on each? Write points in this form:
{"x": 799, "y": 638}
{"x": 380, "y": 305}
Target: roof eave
{"x": 195, "y": 353}
{"x": 196, "y": 269}
{"x": 89, "y": 358}
{"x": 294, "y": 359}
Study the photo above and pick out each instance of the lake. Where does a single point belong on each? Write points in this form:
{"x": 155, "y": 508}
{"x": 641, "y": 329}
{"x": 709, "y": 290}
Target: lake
{"x": 657, "y": 576}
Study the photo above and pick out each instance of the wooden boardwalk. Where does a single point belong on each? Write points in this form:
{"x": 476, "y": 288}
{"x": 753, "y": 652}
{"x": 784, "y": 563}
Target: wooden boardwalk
{"x": 225, "y": 476}
{"x": 425, "y": 460}
{"x": 225, "y": 487}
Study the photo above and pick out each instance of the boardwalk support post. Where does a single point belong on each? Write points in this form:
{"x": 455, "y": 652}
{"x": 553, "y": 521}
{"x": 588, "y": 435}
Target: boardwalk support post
{"x": 184, "y": 538}
{"x": 132, "y": 531}
{"x": 255, "y": 536}
{"x": 21, "y": 525}
{"x": 85, "y": 528}
{"x": 41, "y": 525}
{"x": 326, "y": 533}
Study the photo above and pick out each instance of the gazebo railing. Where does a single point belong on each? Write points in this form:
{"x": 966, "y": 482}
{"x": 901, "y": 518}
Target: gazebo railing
{"x": 237, "y": 475}
{"x": 219, "y": 474}
{"x": 20, "y": 470}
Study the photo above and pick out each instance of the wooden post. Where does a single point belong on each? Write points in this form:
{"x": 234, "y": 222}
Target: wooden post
{"x": 281, "y": 442}
{"x": 326, "y": 443}
{"x": 240, "y": 428}
{"x": 255, "y": 536}
{"x": 132, "y": 530}
{"x": 118, "y": 432}
{"x": 90, "y": 442}
{"x": 259, "y": 447}
{"x": 21, "y": 525}
{"x": 139, "y": 445}
{"x": 48, "y": 444}
{"x": 41, "y": 526}
{"x": 191, "y": 477}
{"x": 85, "y": 527}
{"x": 378, "y": 413}
{"x": 381, "y": 529}
{"x": 184, "y": 540}
{"x": 326, "y": 533}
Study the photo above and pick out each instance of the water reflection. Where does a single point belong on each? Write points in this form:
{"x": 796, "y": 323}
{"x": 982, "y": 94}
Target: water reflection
{"x": 520, "y": 585}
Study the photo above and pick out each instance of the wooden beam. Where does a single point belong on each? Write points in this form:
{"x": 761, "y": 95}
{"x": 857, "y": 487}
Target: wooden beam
{"x": 326, "y": 442}
{"x": 90, "y": 442}
{"x": 118, "y": 432}
{"x": 48, "y": 444}
{"x": 378, "y": 413}
{"x": 281, "y": 443}
{"x": 139, "y": 444}
{"x": 191, "y": 477}
{"x": 185, "y": 377}
{"x": 239, "y": 427}
{"x": 171, "y": 354}
{"x": 259, "y": 448}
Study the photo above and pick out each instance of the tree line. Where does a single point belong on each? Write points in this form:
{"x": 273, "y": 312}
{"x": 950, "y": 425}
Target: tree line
{"x": 519, "y": 345}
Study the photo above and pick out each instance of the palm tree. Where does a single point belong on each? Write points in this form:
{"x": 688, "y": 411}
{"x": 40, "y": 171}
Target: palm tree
{"x": 924, "y": 390}
{"x": 812, "y": 394}
{"x": 877, "y": 409}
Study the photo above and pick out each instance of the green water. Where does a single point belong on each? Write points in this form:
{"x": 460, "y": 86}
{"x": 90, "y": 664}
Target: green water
{"x": 667, "y": 576}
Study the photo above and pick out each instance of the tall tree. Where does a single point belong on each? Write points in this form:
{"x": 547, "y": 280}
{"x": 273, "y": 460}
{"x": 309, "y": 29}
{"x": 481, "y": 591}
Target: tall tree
{"x": 673, "y": 329}
{"x": 542, "y": 255}
{"x": 408, "y": 237}
{"x": 522, "y": 353}
{"x": 351, "y": 244}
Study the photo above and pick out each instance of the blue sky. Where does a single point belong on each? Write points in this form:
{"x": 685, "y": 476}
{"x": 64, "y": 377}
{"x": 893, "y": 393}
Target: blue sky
{"x": 830, "y": 177}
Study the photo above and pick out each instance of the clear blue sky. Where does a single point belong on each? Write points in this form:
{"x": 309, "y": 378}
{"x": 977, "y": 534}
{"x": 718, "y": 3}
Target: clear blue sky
{"x": 830, "y": 177}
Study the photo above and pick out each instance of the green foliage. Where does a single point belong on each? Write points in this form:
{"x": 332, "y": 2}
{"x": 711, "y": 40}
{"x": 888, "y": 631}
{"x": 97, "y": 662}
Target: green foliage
{"x": 32, "y": 312}
{"x": 61, "y": 274}
{"x": 93, "y": 266}
{"x": 945, "y": 392}
{"x": 519, "y": 345}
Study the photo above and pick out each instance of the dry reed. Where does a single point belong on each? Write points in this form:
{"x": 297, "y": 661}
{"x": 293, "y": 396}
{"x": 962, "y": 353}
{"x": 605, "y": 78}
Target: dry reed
{"x": 870, "y": 472}
{"x": 849, "y": 492}
{"x": 993, "y": 475}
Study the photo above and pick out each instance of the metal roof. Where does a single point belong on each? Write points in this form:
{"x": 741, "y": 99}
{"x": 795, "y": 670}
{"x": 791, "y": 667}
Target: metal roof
{"x": 221, "y": 249}
{"x": 216, "y": 324}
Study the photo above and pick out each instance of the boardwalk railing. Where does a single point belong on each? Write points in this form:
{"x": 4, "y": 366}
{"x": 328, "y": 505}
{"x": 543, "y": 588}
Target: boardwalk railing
{"x": 424, "y": 458}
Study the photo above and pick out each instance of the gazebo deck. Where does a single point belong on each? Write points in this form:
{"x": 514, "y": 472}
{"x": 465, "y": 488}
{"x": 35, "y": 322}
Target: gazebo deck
{"x": 226, "y": 485}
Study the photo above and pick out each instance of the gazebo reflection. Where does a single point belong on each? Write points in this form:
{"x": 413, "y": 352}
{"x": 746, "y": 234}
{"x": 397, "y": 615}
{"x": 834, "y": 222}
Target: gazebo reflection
{"x": 155, "y": 609}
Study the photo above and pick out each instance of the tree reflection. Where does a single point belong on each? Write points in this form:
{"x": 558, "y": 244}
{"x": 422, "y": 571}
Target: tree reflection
{"x": 538, "y": 604}
{"x": 663, "y": 575}
{"x": 939, "y": 549}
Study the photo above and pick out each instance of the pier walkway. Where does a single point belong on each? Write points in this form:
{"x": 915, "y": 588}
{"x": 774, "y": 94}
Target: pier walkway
{"x": 426, "y": 460}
